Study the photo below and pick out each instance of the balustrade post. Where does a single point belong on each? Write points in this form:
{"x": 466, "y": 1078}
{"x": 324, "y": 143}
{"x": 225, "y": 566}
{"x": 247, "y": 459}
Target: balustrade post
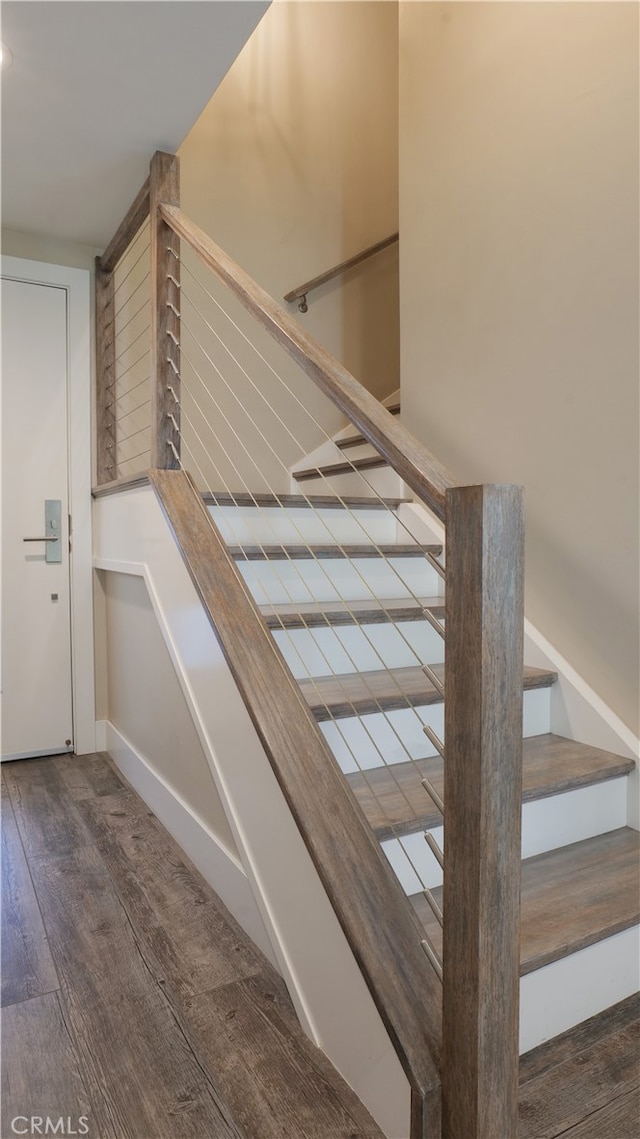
{"x": 483, "y": 792}
{"x": 106, "y": 441}
{"x": 164, "y": 186}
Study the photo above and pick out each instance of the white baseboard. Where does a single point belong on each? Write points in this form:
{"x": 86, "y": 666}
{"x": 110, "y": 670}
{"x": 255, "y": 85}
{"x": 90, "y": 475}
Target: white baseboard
{"x": 101, "y": 735}
{"x": 218, "y": 866}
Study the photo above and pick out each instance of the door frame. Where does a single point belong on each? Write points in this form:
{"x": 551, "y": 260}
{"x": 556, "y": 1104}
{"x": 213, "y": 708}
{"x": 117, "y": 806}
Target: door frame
{"x": 77, "y": 284}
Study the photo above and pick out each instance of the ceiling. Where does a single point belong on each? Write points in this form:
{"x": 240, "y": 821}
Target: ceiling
{"x": 94, "y": 88}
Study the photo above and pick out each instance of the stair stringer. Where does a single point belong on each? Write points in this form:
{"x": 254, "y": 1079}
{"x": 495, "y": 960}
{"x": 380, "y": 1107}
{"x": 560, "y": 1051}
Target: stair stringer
{"x": 308, "y": 946}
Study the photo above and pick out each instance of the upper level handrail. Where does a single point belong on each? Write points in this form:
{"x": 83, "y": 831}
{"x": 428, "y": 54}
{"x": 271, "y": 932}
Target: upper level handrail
{"x": 137, "y": 213}
{"x": 420, "y": 470}
{"x": 300, "y": 293}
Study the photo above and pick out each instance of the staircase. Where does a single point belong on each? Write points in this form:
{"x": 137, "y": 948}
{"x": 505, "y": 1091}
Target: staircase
{"x": 345, "y": 617}
{"x": 322, "y": 580}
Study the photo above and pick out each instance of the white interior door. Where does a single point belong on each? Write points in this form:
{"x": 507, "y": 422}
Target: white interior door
{"x": 37, "y": 713}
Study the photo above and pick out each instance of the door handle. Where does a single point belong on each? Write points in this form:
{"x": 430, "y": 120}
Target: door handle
{"x": 53, "y": 528}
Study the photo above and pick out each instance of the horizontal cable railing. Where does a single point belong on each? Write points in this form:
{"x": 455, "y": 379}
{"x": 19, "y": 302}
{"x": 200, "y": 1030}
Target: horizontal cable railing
{"x": 333, "y": 575}
{"x": 299, "y": 294}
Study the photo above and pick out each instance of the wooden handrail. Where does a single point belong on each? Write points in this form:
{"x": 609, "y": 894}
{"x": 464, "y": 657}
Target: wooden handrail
{"x": 137, "y": 213}
{"x": 301, "y": 291}
{"x": 369, "y": 903}
{"x": 420, "y": 470}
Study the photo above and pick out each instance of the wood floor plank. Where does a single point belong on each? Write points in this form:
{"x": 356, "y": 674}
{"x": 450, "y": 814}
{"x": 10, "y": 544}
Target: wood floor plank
{"x": 189, "y": 940}
{"x": 88, "y": 776}
{"x": 46, "y": 816}
{"x": 579, "y": 1038}
{"x": 619, "y": 1119}
{"x": 140, "y": 1072}
{"x": 571, "y": 897}
{"x": 278, "y": 1085}
{"x": 40, "y": 1070}
{"x": 396, "y": 803}
{"x": 560, "y": 1099}
{"x": 334, "y": 697}
{"x": 27, "y": 964}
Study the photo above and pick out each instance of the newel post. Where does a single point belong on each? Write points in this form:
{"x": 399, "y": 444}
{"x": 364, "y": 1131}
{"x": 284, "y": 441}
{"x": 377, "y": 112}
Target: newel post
{"x": 164, "y": 186}
{"x": 483, "y": 791}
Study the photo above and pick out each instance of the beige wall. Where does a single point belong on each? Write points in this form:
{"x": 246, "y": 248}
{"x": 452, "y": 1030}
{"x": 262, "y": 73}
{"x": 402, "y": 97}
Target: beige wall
{"x": 291, "y": 168}
{"x": 519, "y": 293}
{"x": 146, "y": 703}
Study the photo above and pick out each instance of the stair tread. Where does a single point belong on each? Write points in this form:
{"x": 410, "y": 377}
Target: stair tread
{"x": 340, "y": 467}
{"x": 572, "y": 897}
{"x": 357, "y": 438}
{"x": 253, "y": 553}
{"x": 333, "y": 697}
{"x": 314, "y": 501}
{"x": 395, "y": 802}
{"x": 313, "y": 614}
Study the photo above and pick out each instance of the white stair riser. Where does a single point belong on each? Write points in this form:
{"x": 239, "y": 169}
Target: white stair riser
{"x": 362, "y": 742}
{"x": 359, "y": 648}
{"x": 568, "y": 991}
{"x": 300, "y": 525}
{"x": 547, "y": 824}
{"x": 335, "y": 579}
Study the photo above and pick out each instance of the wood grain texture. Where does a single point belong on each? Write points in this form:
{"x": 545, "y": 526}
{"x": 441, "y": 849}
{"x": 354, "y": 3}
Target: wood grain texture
{"x": 355, "y": 439}
{"x": 88, "y": 776}
{"x": 116, "y": 486}
{"x": 395, "y": 802}
{"x": 40, "y": 1070}
{"x": 189, "y": 942}
{"x": 333, "y": 697}
{"x": 246, "y": 1032}
{"x": 47, "y": 819}
{"x": 106, "y": 467}
{"x": 141, "y": 1074}
{"x": 420, "y": 470}
{"x": 316, "y": 614}
{"x": 592, "y": 890}
{"x": 319, "y": 501}
{"x": 484, "y": 615}
{"x": 27, "y": 964}
{"x": 369, "y": 463}
{"x": 587, "y": 1082}
{"x": 579, "y": 1039}
{"x": 135, "y": 216}
{"x": 343, "y": 267}
{"x": 164, "y": 187}
{"x": 572, "y": 897}
{"x": 318, "y": 553}
{"x": 618, "y": 1119}
{"x": 366, "y": 897}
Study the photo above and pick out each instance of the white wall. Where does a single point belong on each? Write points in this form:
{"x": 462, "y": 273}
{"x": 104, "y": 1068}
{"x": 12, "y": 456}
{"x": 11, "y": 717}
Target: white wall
{"x": 519, "y": 293}
{"x": 292, "y": 168}
{"x": 147, "y": 705}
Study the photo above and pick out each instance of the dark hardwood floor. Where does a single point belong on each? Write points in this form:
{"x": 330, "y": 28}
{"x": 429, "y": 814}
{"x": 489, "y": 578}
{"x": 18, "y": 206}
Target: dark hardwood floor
{"x": 134, "y": 1005}
{"x": 136, "y": 1008}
